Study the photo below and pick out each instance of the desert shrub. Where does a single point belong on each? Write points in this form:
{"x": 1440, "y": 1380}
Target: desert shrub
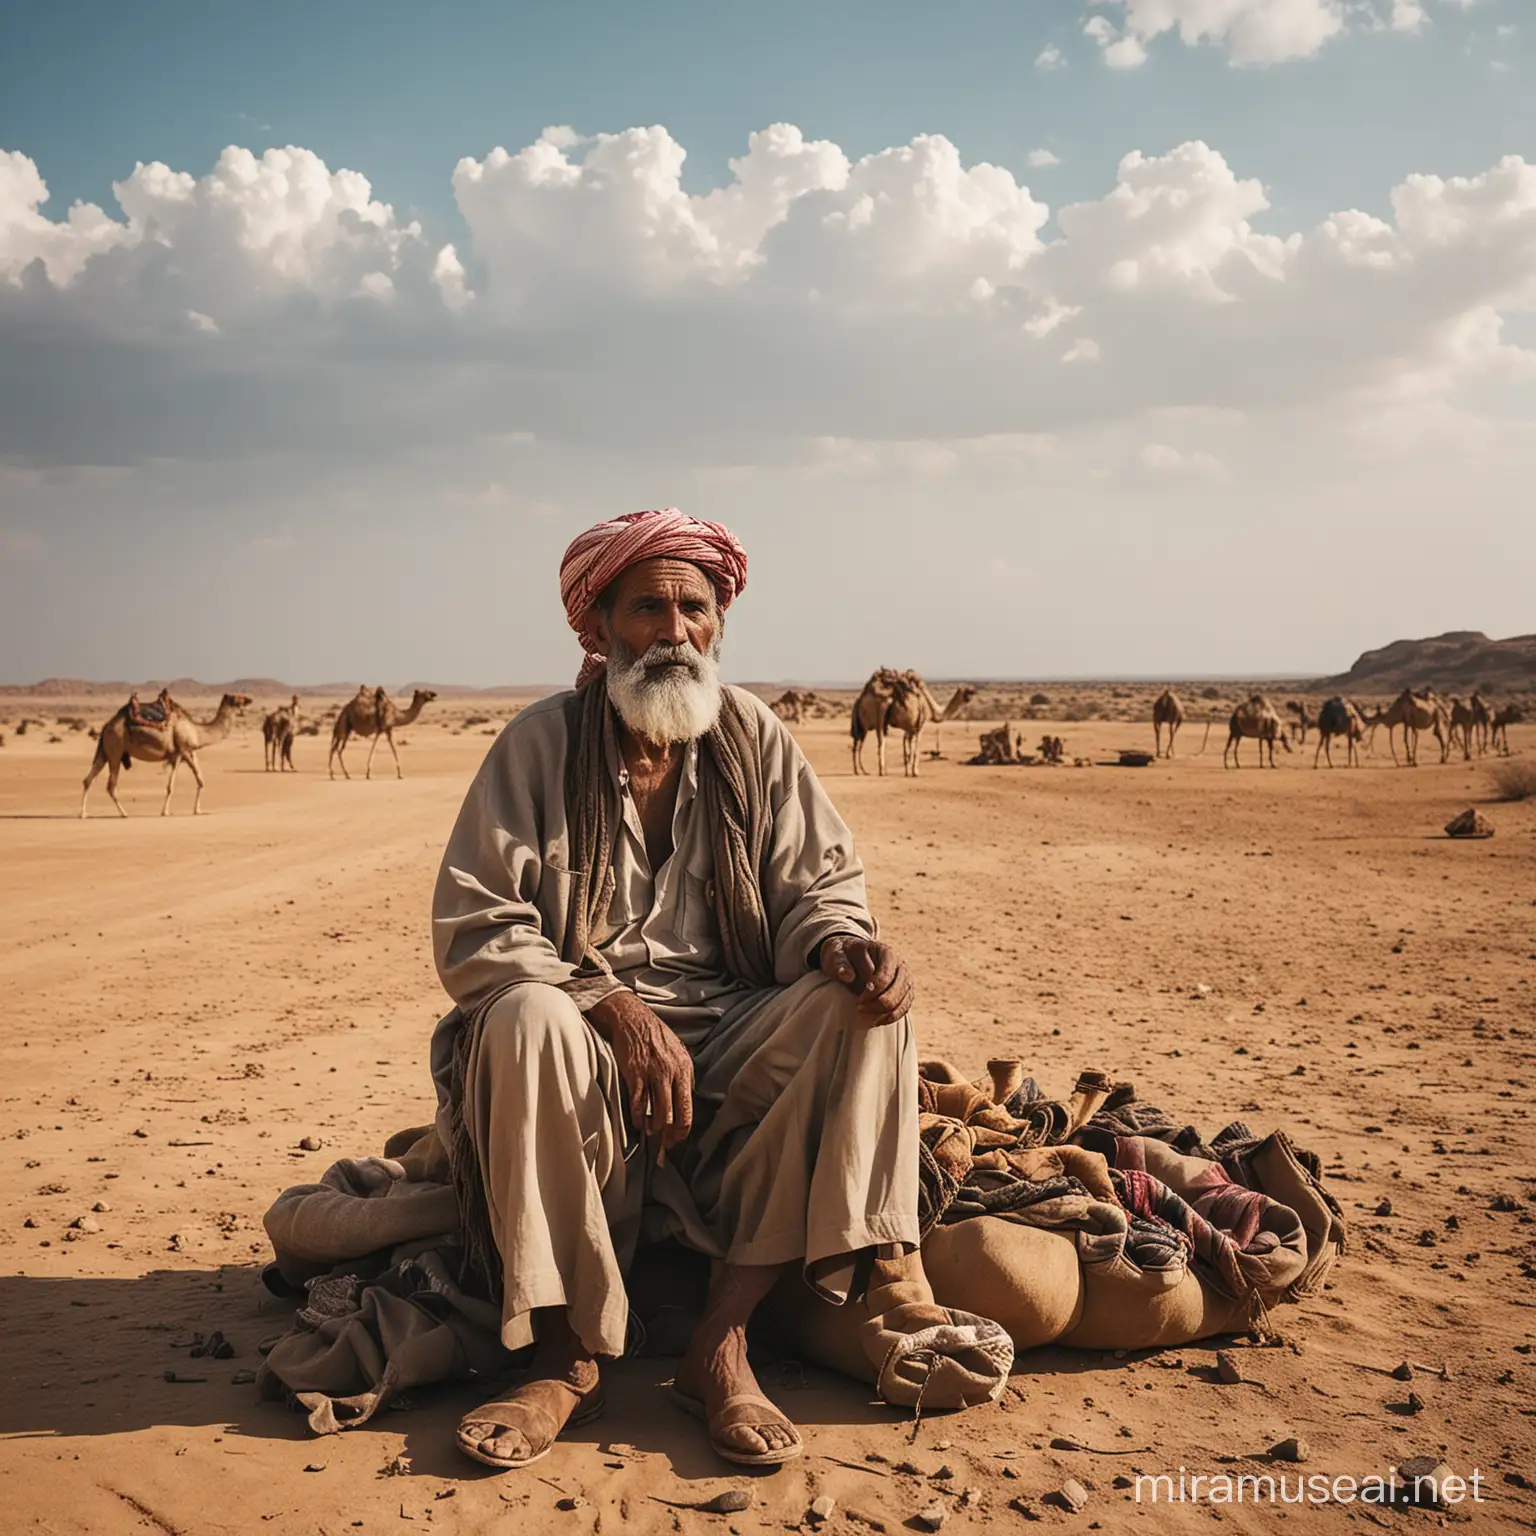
{"x": 470, "y": 720}
{"x": 1210, "y": 693}
{"x": 1515, "y": 781}
{"x": 1039, "y": 700}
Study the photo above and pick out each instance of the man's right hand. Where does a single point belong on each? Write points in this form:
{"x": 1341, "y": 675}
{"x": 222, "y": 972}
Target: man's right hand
{"x": 654, "y": 1064}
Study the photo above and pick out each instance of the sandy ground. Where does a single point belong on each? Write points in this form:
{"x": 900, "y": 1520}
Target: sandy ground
{"x": 186, "y": 999}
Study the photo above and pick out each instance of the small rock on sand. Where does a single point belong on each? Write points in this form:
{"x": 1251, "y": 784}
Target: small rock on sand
{"x": 1227, "y": 1369}
{"x": 1420, "y": 1477}
{"x": 1293, "y": 1449}
{"x": 86, "y": 1224}
{"x": 310, "y": 1144}
{"x": 1072, "y": 1496}
{"x": 822, "y": 1508}
{"x": 932, "y": 1518}
{"x": 1471, "y": 823}
{"x": 732, "y": 1502}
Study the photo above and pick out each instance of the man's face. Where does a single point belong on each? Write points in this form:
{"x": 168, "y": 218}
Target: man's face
{"x": 661, "y": 602}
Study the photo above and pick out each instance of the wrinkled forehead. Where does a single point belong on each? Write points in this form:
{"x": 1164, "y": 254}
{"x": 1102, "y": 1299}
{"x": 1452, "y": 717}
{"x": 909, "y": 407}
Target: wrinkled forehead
{"x": 663, "y": 577}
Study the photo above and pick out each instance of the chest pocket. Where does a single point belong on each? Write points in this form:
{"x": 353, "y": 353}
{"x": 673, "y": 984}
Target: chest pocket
{"x": 699, "y": 930}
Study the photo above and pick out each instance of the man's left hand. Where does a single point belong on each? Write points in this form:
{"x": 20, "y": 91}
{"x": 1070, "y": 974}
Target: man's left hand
{"x": 875, "y": 972}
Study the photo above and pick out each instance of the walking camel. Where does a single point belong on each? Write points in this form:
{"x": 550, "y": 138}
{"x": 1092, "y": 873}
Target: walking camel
{"x": 1416, "y": 712}
{"x": 373, "y": 714}
{"x": 124, "y": 741}
{"x": 1338, "y": 717}
{"x": 1255, "y": 717}
{"x": 871, "y": 711}
{"x": 277, "y": 733}
{"x": 1167, "y": 709}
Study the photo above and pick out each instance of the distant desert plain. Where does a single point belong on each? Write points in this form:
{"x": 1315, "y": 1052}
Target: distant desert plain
{"x": 190, "y": 999}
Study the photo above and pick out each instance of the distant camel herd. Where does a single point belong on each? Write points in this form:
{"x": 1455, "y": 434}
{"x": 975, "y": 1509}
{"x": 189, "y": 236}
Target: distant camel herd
{"x": 163, "y": 732}
{"x": 1472, "y": 725}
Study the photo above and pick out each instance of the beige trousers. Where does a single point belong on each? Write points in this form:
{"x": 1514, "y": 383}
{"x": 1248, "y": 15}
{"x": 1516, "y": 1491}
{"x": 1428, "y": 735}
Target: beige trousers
{"x": 804, "y": 1149}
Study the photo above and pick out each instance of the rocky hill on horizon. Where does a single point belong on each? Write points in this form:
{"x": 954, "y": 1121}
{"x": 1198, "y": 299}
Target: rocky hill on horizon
{"x": 1458, "y": 661}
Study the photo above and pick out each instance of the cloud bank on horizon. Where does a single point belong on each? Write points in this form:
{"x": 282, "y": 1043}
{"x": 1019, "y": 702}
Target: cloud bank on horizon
{"x": 893, "y": 332}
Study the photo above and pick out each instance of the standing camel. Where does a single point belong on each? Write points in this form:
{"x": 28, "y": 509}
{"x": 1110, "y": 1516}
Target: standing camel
{"x": 1167, "y": 709}
{"x": 871, "y": 712}
{"x": 178, "y": 740}
{"x": 957, "y": 701}
{"x": 1305, "y": 721}
{"x": 1463, "y": 720}
{"x": 912, "y": 708}
{"x": 1338, "y": 717}
{"x": 1416, "y": 712}
{"x": 374, "y": 715}
{"x": 1481, "y": 720}
{"x": 1498, "y": 727}
{"x": 277, "y": 733}
{"x": 1255, "y": 717}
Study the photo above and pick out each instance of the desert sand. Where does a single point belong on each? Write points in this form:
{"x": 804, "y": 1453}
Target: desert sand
{"x": 185, "y": 1000}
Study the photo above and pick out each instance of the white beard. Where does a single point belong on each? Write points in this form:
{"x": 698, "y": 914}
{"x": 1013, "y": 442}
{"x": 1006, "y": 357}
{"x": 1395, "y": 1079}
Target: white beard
{"x": 665, "y": 703}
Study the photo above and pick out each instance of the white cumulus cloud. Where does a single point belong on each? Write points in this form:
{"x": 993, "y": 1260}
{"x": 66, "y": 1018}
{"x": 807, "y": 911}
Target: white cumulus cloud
{"x": 1040, "y": 158}
{"x": 1250, "y": 32}
{"x": 274, "y": 304}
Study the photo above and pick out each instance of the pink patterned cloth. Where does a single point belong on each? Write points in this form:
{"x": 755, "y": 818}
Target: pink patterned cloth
{"x": 604, "y": 552}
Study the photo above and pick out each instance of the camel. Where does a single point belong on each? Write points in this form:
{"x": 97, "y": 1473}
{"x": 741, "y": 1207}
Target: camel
{"x": 1167, "y": 709}
{"x": 1338, "y": 717}
{"x": 911, "y": 710}
{"x": 957, "y": 701}
{"x": 792, "y": 704}
{"x": 277, "y": 733}
{"x": 1481, "y": 720}
{"x": 179, "y": 740}
{"x": 1498, "y": 726}
{"x": 1305, "y": 720}
{"x": 1416, "y": 712}
{"x": 1371, "y": 716}
{"x": 871, "y": 712}
{"x": 373, "y": 714}
{"x": 1463, "y": 719}
{"x": 1255, "y": 717}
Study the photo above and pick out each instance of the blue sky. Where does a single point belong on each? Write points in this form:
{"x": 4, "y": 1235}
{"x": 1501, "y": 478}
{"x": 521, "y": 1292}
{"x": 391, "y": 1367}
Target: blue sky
{"x": 1233, "y": 377}
{"x": 402, "y": 90}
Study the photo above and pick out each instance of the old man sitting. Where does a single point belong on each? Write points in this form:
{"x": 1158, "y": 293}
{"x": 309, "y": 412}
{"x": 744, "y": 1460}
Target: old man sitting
{"x": 671, "y": 995}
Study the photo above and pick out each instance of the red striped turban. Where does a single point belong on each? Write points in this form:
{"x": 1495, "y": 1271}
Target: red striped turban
{"x": 598, "y": 557}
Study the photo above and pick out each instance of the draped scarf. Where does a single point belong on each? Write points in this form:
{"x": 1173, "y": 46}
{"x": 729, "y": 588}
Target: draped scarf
{"x": 732, "y": 797}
